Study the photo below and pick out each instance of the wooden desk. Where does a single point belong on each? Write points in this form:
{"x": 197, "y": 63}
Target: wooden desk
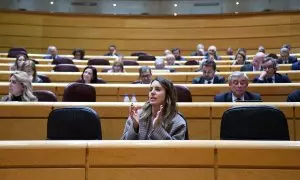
{"x": 194, "y": 160}
{"x": 200, "y": 92}
{"x": 178, "y": 77}
{"x": 30, "y": 122}
{"x": 183, "y": 68}
{"x": 84, "y": 62}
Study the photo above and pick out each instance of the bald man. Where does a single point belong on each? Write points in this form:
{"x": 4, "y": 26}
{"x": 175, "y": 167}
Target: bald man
{"x": 256, "y": 63}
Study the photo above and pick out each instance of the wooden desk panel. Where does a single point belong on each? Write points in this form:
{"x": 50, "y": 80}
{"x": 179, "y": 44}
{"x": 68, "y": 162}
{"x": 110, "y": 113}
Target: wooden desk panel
{"x": 138, "y": 154}
{"x": 43, "y": 173}
{"x": 247, "y": 154}
{"x": 203, "y": 118}
{"x": 43, "y": 153}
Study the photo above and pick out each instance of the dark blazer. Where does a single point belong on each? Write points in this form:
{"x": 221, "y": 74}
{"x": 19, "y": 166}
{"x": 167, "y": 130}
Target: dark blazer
{"x": 248, "y": 67}
{"x": 227, "y": 97}
{"x": 296, "y": 66}
{"x": 51, "y": 57}
{"x": 291, "y": 60}
{"x": 294, "y": 96}
{"x": 110, "y": 54}
{"x": 217, "y": 80}
{"x": 197, "y": 53}
{"x": 99, "y": 81}
{"x": 279, "y": 78}
{"x": 179, "y": 58}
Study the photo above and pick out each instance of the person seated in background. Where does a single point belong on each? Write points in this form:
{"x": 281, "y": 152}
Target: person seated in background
{"x": 240, "y": 59}
{"x": 30, "y": 68}
{"x": 18, "y": 64}
{"x": 242, "y": 51}
{"x": 170, "y": 58}
{"x": 256, "y": 63}
{"x": 78, "y": 54}
{"x": 212, "y": 53}
{"x": 89, "y": 75}
{"x": 229, "y": 52}
{"x": 145, "y": 75}
{"x": 177, "y": 53}
{"x": 167, "y": 51}
{"x": 294, "y": 96}
{"x": 238, "y": 83}
{"x": 158, "y": 118}
{"x": 296, "y": 66}
{"x": 117, "y": 67}
{"x": 159, "y": 64}
{"x": 199, "y": 50}
{"x": 20, "y": 88}
{"x": 269, "y": 74}
{"x": 288, "y": 46}
{"x": 285, "y": 57}
{"x": 261, "y": 49}
{"x": 272, "y": 55}
{"x": 53, "y": 53}
{"x": 112, "y": 51}
{"x": 208, "y": 74}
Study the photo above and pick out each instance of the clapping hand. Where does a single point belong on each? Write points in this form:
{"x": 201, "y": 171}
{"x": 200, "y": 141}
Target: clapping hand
{"x": 158, "y": 117}
{"x": 134, "y": 115}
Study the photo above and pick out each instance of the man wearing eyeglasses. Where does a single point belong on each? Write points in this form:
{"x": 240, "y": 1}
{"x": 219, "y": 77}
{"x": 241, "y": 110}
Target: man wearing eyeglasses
{"x": 269, "y": 74}
{"x": 208, "y": 74}
{"x": 238, "y": 82}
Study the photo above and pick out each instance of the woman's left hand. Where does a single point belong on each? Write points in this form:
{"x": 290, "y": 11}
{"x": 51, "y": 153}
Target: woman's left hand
{"x": 158, "y": 117}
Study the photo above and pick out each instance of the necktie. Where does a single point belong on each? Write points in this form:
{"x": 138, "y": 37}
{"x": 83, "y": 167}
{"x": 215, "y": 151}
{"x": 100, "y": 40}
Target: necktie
{"x": 208, "y": 82}
{"x": 238, "y": 100}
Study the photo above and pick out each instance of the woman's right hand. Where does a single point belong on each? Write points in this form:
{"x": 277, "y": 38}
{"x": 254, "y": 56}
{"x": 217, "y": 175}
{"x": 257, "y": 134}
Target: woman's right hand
{"x": 134, "y": 115}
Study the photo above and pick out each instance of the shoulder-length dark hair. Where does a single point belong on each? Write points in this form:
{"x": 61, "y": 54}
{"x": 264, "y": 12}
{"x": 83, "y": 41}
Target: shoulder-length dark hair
{"x": 170, "y": 107}
{"x": 81, "y": 51}
{"x": 15, "y": 66}
{"x": 94, "y": 77}
{"x": 243, "y": 56}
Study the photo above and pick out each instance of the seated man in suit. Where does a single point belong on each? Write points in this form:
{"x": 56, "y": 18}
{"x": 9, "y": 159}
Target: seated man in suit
{"x": 199, "y": 50}
{"x": 269, "y": 74}
{"x": 208, "y": 74}
{"x": 285, "y": 57}
{"x": 238, "y": 82}
{"x": 145, "y": 75}
{"x": 160, "y": 65}
{"x": 256, "y": 63}
{"x": 112, "y": 51}
{"x": 212, "y": 53}
{"x": 53, "y": 53}
{"x": 294, "y": 96}
{"x": 296, "y": 66}
{"x": 177, "y": 54}
{"x": 170, "y": 58}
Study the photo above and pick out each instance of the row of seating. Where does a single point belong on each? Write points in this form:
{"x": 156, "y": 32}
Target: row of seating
{"x": 199, "y": 92}
{"x": 180, "y": 77}
{"x": 185, "y": 68}
{"x": 28, "y": 120}
{"x": 91, "y": 160}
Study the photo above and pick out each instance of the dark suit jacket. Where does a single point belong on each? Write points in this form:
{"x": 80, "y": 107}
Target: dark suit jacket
{"x": 50, "y": 57}
{"x": 294, "y": 96}
{"x": 179, "y": 58}
{"x": 227, "y": 97}
{"x": 217, "y": 80}
{"x": 110, "y": 54}
{"x": 296, "y": 66}
{"x": 279, "y": 78}
{"x": 291, "y": 60}
{"x": 248, "y": 67}
{"x": 99, "y": 81}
